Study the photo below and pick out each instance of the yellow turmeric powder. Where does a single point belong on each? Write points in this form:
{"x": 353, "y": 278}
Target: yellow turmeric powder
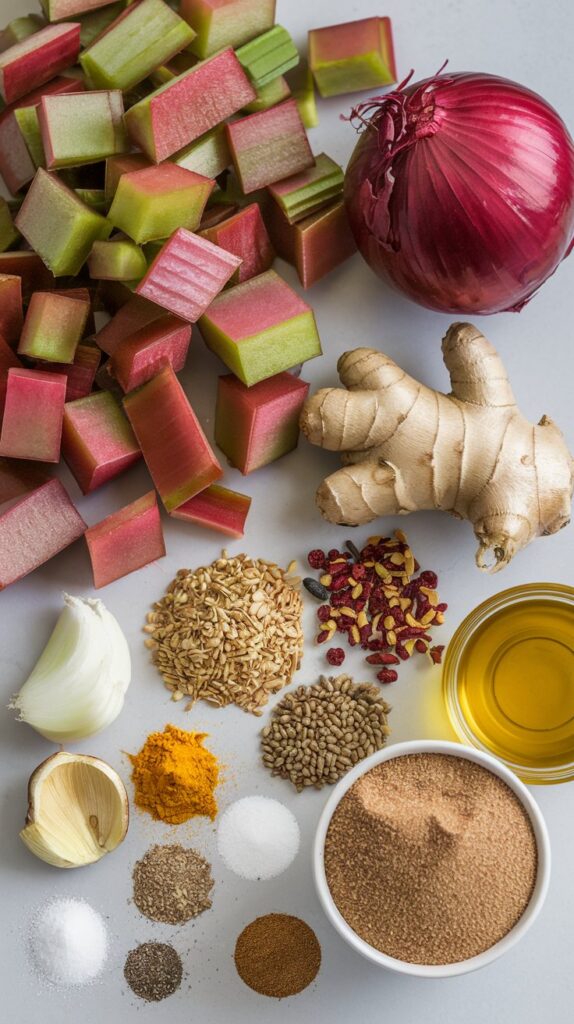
{"x": 175, "y": 776}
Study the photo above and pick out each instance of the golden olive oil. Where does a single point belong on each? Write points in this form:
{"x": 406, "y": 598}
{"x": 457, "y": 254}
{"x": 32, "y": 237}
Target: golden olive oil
{"x": 515, "y": 683}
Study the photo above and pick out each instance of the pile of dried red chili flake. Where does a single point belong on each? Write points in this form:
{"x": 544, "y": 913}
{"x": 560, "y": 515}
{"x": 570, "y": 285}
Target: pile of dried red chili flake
{"x": 374, "y": 598}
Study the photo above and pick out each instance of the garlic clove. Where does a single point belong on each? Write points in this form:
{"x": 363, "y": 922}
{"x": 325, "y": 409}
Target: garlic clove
{"x": 77, "y": 810}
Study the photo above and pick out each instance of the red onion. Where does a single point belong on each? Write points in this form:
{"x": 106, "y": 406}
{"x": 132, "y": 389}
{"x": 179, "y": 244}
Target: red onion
{"x": 460, "y": 191}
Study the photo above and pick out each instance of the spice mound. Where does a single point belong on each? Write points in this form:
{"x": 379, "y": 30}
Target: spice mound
{"x": 317, "y": 733}
{"x": 430, "y": 858}
{"x": 228, "y": 633}
{"x": 277, "y": 955}
{"x": 258, "y": 838}
{"x": 172, "y": 884}
{"x": 68, "y": 942}
{"x": 175, "y": 776}
{"x": 153, "y": 971}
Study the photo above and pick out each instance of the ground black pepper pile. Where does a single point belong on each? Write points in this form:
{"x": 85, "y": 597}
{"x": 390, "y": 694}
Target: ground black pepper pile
{"x": 172, "y": 884}
{"x": 153, "y": 971}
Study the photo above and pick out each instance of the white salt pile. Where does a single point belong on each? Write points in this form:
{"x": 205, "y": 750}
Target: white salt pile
{"x": 258, "y": 838}
{"x": 68, "y": 942}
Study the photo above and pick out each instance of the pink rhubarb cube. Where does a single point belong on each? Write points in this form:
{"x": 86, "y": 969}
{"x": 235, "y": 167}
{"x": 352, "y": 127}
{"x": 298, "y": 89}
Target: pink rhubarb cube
{"x": 8, "y": 359}
{"x": 37, "y": 59}
{"x": 187, "y": 274}
{"x": 33, "y": 414}
{"x": 98, "y": 443}
{"x": 32, "y": 271}
{"x": 135, "y": 313}
{"x": 257, "y": 425}
{"x": 80, "y": 374}
{"x": 177, "y": 453}
{"x": 144, "y": 353}
{"x": 315, "y": 245}
{"x": 269, "y": 146}
{"x": 36, "y": 528}
{"x": 245, "y": 235}
{"x": 189, "y": 105}
{"x": 125, "y": 541}
{"x": 218, "y": 508}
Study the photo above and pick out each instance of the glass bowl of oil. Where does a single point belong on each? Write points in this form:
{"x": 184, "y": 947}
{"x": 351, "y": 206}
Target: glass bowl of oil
{"x": 508, "y": 680}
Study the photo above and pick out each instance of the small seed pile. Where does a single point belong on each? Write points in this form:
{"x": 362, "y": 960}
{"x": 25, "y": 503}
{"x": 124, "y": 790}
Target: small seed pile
{"x": 229, "y": 632}
{"x": 317, "y": 733}
{"x": 277, "y": 955}
{"x": 373, "y": 598}
{"x": 172, "y": 884}
{"x": 153, "y": 971}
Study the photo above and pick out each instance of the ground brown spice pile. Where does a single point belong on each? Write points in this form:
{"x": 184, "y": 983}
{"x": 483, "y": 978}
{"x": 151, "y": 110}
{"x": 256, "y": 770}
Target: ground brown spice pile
{"x": 277, "y": 955}
{"x": 229, "y": 632}
{"x": 172, "y": 884}
{"x": 430, "y": 858}
{"x": 318, "y": 732}
{"x": 153, "y": 971}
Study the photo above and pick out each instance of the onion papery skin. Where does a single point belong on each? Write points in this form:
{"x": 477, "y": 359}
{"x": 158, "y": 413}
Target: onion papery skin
{"x": 460, "y": 192}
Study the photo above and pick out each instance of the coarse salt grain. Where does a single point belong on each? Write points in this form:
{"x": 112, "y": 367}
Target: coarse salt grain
{"x": 258, "y": 838}
{"x": 68, "y": 942}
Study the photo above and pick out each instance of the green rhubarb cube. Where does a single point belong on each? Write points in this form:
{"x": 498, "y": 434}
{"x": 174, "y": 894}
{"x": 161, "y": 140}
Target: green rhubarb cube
{"x": 82, "y": 128}
{"x": 95, "y": 198}
{"x": 260, "y": 328}
{"x": 116, "y": 260}
{"x": 269, "y": 146}
{"x": 28, "y": 121}
{"x": 156, "y": 201}
{"x": 269, "y": 95}
{"x": 60, "y": 10}
{"x": 58, "y": 226}
{"x": 220, "y": 23}
{"x": 19, "y": 29}
{"x": 144, "y": 36}
{"x": 9, "y": 234}
{"x": 269, "y": 55}
{"x": 300, "y": 81}
{"x": 351, "y": 57}
{"x": 209, "y": 155}
{"x": 96, "y": 21}
{"x": 53, "y": 328}
{"x": 304, "y": 193}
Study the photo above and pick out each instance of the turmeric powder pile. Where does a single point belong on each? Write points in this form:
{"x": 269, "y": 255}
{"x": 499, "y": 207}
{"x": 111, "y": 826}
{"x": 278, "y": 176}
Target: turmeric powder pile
{"x": 175, "y": 776}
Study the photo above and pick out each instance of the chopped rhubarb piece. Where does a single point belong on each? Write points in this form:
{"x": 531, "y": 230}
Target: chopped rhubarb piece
{"x": 8, "y": 359}
{"x": 218, "y": 508}
{"x": 20, "y": 132}
{"x": 37, "y": 59}
{"x": 135, "y": 313}
{"x": 125, "y": 541}
{"x": 9, "y": 234}
{"x": 18, "y": 477}
{"x": 58, "y": 10}
{"x": 142, "y": 37}
{"x": 304, "y": 193}
{"x": 268, "y": 56}
{"x": 36, "y": 528}
{"x": 33, "y": 413}
{"x": 142, "y": 355}
{"x": 260, "y": 328}
{"x": 246, "y": 236}
{"x": 33, "y": 274}
{"x": 220, "y": 23}
{"x": 353, "y": 56}
{"x": 269, "y": 146}
{"x": 256, "y": 425}
{"x": 184, "y": 109}
{"x": 95, "y": 22}
{"x": 95, "y": 198}
{"x": 269, "y": 95}
{"x": 121, "y": 164}
{"x": 209, "y": 155}
{"x": 20, "y": 28}
{"x": 58, "y": 226}
{"x": 116, "y": 260}
{"x": 214, "y": 215}
{"x": 97, "y": 441}
{"x": 177, "y": 453}
{"x": 187, "y": 274}
{"x": 85, "y": 295}
{"x": 53, "y": 327}
{"x": 300, "y": 81}
{"x": 11, "y": 312}
{"x": 156, "y": 201}
{"x": 80, "y": 374}
{"x": 316, "y": 245}
{"x": 82, "y": 127}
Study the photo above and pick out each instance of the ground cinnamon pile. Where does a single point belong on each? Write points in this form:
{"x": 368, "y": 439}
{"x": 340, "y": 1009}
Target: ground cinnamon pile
{"x": 277, "y": 955}
{"x": 430, "y": 858}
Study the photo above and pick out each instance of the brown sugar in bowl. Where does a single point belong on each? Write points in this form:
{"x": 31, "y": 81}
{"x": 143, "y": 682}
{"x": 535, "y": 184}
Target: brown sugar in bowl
{"x": 538, "y": 889}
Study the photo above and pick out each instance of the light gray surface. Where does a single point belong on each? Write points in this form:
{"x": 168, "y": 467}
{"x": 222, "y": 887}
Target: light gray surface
{"x": 521, "y": 39}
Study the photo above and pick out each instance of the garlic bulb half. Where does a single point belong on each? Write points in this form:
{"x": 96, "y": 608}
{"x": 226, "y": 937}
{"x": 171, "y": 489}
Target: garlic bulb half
{"x": 78, "y": 684}
{"x": 77, "y": 810}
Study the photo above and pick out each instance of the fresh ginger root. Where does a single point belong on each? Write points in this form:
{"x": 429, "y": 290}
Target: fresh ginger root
{"x": 471, "y": 453}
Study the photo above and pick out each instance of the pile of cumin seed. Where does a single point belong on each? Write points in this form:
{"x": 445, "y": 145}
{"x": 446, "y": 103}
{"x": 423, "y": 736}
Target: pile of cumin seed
{"x": 229, "y": 632}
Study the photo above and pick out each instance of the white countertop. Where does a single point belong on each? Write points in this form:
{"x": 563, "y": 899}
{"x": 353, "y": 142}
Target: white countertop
{"x": 534, "y": 983}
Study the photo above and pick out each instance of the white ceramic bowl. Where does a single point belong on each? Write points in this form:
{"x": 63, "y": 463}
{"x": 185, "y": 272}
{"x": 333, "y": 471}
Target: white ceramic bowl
{"x": 542, "y": 876}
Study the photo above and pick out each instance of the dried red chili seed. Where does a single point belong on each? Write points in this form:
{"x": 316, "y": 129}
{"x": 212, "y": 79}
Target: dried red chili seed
{"x": 335, "y": 656}
{"x": 441, "y": 608}
{"x": 385, "y": 658}
{"x": 402, "y": 652}
{"x": 323, "y": 635}
{"x": 398, "y": 616}
{"x": 387, "y": 675}
{"x": 316, "y": 558}
{"x": 323, "y": 612}
{"x": 421, "y": 646}
{"x": 436, "y": 653}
